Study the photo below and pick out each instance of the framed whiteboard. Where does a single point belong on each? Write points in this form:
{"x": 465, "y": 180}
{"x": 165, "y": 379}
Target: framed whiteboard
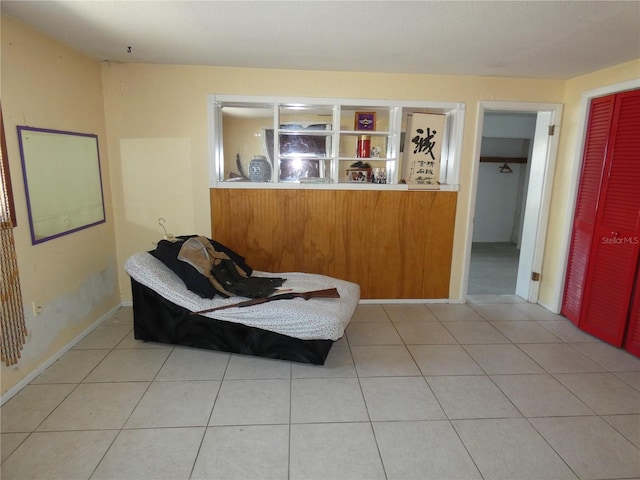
{"x": 62, "y": 181}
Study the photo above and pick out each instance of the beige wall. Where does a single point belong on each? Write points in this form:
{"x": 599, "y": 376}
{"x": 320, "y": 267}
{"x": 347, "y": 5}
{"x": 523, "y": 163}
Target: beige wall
{"x": 73, "y": 278}
{"x": 154, "y": 104}
{"x": 567, "y": 170}
{"x": 150, "y": 105}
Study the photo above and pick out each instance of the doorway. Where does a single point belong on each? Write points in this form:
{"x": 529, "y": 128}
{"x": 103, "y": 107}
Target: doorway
{"x": 510, "y": 197}
{"x": 503, "y": 173}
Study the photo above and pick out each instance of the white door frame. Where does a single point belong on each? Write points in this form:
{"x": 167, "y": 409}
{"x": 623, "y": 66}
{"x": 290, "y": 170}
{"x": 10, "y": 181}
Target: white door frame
{"x": 538, "y": 198}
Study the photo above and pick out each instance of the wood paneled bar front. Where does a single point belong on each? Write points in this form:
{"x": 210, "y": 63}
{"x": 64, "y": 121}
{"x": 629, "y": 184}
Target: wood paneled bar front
{"x": 394, "y": 244}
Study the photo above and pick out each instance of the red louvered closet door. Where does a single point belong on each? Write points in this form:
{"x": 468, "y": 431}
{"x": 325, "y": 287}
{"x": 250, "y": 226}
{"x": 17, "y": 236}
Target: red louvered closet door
{"x": 632, "y": 340}
{"x": 598, "y": 130}
{"x": 603, "y": 261}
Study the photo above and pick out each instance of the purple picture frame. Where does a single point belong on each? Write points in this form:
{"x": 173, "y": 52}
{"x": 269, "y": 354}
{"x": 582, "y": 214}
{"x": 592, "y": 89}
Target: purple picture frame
{"x": 62, "y": 180}
{"x": 365, "y": 121}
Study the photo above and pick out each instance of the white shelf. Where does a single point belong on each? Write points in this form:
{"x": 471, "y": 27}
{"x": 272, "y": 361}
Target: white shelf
{"x": 357, "y": 133}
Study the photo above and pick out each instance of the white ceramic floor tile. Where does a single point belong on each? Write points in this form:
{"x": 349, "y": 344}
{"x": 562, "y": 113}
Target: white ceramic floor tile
{"x": 409, "y": 312}
{"x": 537, "y": 312}
{"x": 590, "y": 446}
{"x": 158, "y": 454}
{"x": 424, "y": 333}
{"x": 165, "y": 395}
{"x": 339, "y": 363}
{"x": 175, "y": 404}
{"x": 423, "y": 450}
{"x": 510, "y": 449}
{"x": 370, "y": 313}
{"x": 612, "y": 358}
{"x": 137, "y": 365}
{"x": 454, "y": 313}
{"x": 471, "y": 333}
{"x": 334, "y": 451}
{"x": 473, "y": 396}
{"x": 493, "y": 268}
{"x": 94, "y": 406}
{"x": 525, "y": 332}
{"x": 627, "y": 425}
{"x": 400, "y": 398}
{"x": 511, "y": 298}
{"x": 502, "y": 359}
{"x": 540, "y": 396}
{"x": 123, "y": 316}
{"x": 186, "y": 363}
{"x": 631, "y": 378}
{"x": 251, "y": 452}
{"x": 493, "y": 298}
{"x": 73, "y": 367}
{"x": 246, "y": 402}
{"x": 373, "y": 333}
{"x": 31, "y": 405}
{"x": 129, "y": 341}
{"x": 444, "y": 360}
{"x": 383, "y": 361}
{"x": 341, "y": 342}
{"x": 58, "y": 455}
{"x": 327, "y": 400}
{"x": 244, "y": 367}
{"x": 9, "y": 442}
{"x": 497, "y": 312}
{"x": 104, "y": 337}
{"x": 567, "y": 331}
{"x": 604, "y": 393}
{"x": 560, "y": 358}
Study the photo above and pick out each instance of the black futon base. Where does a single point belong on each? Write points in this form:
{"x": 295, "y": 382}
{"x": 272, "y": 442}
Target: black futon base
{"x": 156, "y": 319}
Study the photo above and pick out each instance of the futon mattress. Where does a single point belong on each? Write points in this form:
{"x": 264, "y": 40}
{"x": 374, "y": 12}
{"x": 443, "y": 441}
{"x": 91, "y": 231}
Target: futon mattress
{"x": 313, "y": 319}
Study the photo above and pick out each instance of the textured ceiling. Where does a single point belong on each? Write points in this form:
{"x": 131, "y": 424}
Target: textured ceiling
{"x": 548, "y": 39}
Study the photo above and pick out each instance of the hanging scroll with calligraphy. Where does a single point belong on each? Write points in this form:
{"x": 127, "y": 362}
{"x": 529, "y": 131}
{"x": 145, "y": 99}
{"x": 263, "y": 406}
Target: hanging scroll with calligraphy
{"x": 422, "y": 149}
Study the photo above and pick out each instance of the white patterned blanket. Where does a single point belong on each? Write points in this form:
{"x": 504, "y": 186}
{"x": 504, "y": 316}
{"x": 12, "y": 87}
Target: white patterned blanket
{"x": 314, "y": 319}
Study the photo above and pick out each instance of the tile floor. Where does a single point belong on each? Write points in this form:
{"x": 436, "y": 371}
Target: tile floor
{"x": 493, "y": 268}
{"x": 495, "y": 388}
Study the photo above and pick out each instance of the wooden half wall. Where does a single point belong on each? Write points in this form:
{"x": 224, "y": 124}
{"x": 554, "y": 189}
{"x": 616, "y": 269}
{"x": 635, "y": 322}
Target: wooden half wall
{"x": 394, "y": 244}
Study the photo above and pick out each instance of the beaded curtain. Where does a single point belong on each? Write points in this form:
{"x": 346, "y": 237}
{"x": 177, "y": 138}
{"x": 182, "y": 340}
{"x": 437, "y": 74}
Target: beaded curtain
{"x": 13, "y": 331}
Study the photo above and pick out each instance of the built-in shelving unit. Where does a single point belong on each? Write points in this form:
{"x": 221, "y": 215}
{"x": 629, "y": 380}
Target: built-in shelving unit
{"x": 276, "y": 142}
